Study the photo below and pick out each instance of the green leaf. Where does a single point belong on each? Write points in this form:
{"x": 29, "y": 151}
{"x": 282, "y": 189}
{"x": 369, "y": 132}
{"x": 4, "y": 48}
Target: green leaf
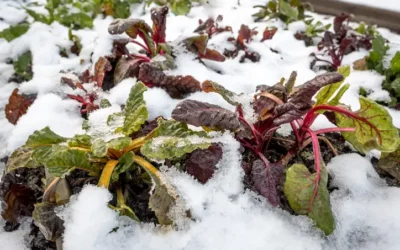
{"x": 395, "y": 85}
{"x": 180, "y": 7}
{"x": 79, "y": 20}
{"x": 299, "y": 189}
{"x": 173, "y": 139}
{"x": 390, "y": 163}
{"x": 43, "y": 137}
{"x": 60, "y": 160}
{"x": 135, "y": 110}
{"x": 104, "y": 103}
{"x": 119, "y": 143}
{"x": 395, "y": 63}
{"x": 39, "y": 17}
{"x": 21, "y": 158}
{"x": 365, "y": 138}
{"x": 335, "y": 100}
{"x": 327, "y": 92}
{"x": 23, "y": 66}
{"x": 286, "y": 9}
{"x": 14, "y": 31}
{"x": 125, "y": 162}
{"x": 82, "y": 141}
{"x": 99, "y": 148}
{"x": 229, "y": 96}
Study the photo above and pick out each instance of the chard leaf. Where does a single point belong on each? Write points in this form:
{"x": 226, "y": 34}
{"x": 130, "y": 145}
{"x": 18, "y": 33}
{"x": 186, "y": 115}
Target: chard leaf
{"x": 395, "y": 63}
{"x": 132, "y": 27}
{"x": 39, "y": 17}
{"x": 229, "y": 96}
{"x": 100, "y": 69}
{"x": 135, "y": 110}
{"x": 126, "y": 68}
{"x": 204, "y": 114}
{"x": 125, "y": 162}
{"x": 44, "y": 217}
{"x": 21, "y": 158}
{"x": 78, "y": 20}
{"x": 299, "y": 190}
{"x": 180, "y": 7}
{"x": 163, "y": 197}
{"x": 17, "y": 106}
{"x": 119, "y": 143}
{"x": 104, "y": 103}
{"x": 43, "y": 137}
{"x": 173, "y": 139}
{"x": 266, "y": 180}
{"x": 335, "y": 100}
{"x": 301, "y": 101}
{"x": 60, "y": 160}
{"x": 176, "y": 86}
{"x": 99, "y": 148}
{"x": 325, "y": 94}
{"x": 23, "y": 66}
{"x": 82, "y": 141}
{"x": 14, "y": 31}
{"x": 365, "y": 138}
{"x": 20, "y": 200}
{"x": 159, "y": 18}
{"x": 286, "y": 9}
{"x": 390, "y": 163}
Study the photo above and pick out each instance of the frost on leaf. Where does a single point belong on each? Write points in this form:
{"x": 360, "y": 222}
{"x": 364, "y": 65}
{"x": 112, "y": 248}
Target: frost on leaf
{"x": 267, "y": 179}
{"x": 43, "y": 137}
{"x": 301, "y": 101}
{"x": 299, "y": 190}
{"x": 101, "y": 67}
{"x": 135, "y": 110}
{"x": 201, "y": 163}
{"x": 375, "y": 129}
{"x": 173, "y": 139}
{"x": 17, "y": 106}
{"x": 99, "y": 148}
{"x": 44, "y": 217}
{"x": 204, "y": 114}
{"x": 21, "y": 158}
{"x": 176, "y": 86}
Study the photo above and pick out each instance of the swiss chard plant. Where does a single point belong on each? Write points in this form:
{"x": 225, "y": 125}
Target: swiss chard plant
{"x": 286, "y": 10}
{"x": 313, "y": 30}
{"x": 282, "y": 104}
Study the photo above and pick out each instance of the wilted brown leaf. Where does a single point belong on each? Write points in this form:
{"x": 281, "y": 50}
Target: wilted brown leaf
{"x": 17, "y": 106}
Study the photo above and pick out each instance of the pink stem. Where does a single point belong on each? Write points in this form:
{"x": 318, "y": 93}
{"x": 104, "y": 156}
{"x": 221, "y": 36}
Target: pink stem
{"x": 317, "y": 164}
{"x": 141, "y": 45}
{"x": 144, "y": 58}
{"x": 330, "y": 130}
{"x": 295, "y": 131}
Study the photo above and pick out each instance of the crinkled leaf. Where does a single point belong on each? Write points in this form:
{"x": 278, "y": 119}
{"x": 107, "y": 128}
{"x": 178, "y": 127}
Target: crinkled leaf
{"x": 204, "y": 114}
{"x": 100, "y": 69}
{"x": 43, "y": 137}
{"x": 119, "y": 143}
{"x": 14, "y": 31}
{"x": 159, "y": 18}
{"x": 229, "y": 96}
{"x": 163, "y": 197}
{"x": 269, "y": 97}
{"x": 390, "y": 163}
{"x": 99, "y": 148}
{"x": 173, "y": 139}
{"x": 325, "y": 94}
{"x": 23, "y": 66}
{"x": 135, "y": 109}
{"x": 365, "y": 138}
{"x": 299, "y": 190}
{"x": 126, "y": 67}
{"x": 301, "y": 101}
{"x": 83, "y": 141}
{"x": 60, "y": 160}
{"x": 266, "y": 180}
{"x": 132, "y": 27}
{"x": 21, "y": 158}
{"x": 19, "y": 200}
{"x": 163, "y": 62}
{"x": 201, "y": 163}
{"x": 17, "y": 106}
{"x": 45, "y": 218}
{"x": 175, "y": 86}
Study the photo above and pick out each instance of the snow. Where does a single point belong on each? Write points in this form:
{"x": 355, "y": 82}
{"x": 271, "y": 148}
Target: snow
{"x": 225, "y": 216}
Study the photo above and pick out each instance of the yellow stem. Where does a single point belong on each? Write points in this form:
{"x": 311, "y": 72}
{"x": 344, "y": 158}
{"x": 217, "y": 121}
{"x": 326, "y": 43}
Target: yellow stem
{"x": 145, "y": 164}
{"x": 50, "y": 189}
{"x": 135, "y": 144}
{"x": 120, "y": 197}
{"x": 81, "y": 149}
{"x": 106, "y": 174}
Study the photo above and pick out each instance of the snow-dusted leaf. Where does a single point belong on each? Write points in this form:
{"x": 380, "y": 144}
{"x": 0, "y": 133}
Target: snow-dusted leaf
{"x": 99, "y": 148}
{"x": 173, "y": 139}
{"x": 266, "y": 180}
{"x": 325, "y": 94}
{"x": 132, "y": 27}
{"x": 299, "y": 190}
{"x": 229, "y": 96}
{"x": 159, "y": 18}
{"x": 23, "y": 66}
{"x": 17, "y": 106}
{"x": 104, "y": 103}
{"x": 135, "y": 110}
{"x": 45, "y": 218}
{"x": 119, "y": 143}
{"x": 204, "y": 114}
{"x": 44, "y": 137}
{"x": 83, "y": 141}
{"x": 374, "y": 131}
{"x": 21, "y": 158}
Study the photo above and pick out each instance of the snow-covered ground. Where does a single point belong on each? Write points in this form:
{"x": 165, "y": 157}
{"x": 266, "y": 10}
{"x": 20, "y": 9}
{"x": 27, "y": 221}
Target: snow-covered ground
{"x": 365, "y": 208}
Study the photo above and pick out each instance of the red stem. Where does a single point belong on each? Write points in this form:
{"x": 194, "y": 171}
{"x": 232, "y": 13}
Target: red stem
{"x": 330, "y": 130}
{"x": 317, "y": 164}
{"x": 141, "y": 45}
{"x": 144, "y": 58}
